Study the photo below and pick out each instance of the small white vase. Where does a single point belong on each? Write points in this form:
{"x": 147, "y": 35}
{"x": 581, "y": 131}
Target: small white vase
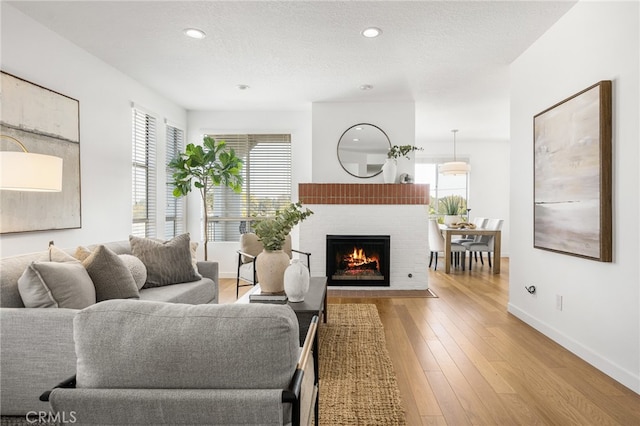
{"x": 451, "y": 218}
{"x": 270, "y": 267}
{"x": 389, "y": 170}
{"x": 296, "y": 281}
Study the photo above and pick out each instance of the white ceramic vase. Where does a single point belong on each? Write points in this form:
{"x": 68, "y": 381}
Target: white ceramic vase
{"x": 389, "y": 170}
{"x": 270, "y": 267}
{"x": 451, "y": 218}
{"x": 296, "y": 281}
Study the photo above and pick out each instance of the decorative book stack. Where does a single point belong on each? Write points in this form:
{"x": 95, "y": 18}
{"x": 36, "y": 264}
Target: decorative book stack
{"x": 279, "y": 298}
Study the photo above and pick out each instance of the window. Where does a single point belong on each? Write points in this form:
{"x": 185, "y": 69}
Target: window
{"x": 143, "y": 174}
{"x": 267, "y": 184}
{"x": 174, "y": 223}
{"x": 440, "y": 185}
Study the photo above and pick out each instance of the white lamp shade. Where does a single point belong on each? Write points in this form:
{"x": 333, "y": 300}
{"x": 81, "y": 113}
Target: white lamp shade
{"x": 455, "y": 168}
{"x": 24, "y": 171}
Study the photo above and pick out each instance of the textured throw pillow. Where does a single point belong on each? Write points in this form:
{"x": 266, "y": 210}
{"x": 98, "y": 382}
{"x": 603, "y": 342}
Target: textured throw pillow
{"x": 58, "y": 255}
{"x": 56, "y": 285}
{"x": 136, "y": 267}
{"x": 167, "y": 262}
{"x": 82, "y": 253}
{"x": 110, "y": 275}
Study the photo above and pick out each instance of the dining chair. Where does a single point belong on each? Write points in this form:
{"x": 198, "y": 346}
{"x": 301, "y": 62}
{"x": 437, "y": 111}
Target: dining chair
{"x": 485, "y": 243}
{"x": 436, "y": 245}
{"x": 480, "y": 223}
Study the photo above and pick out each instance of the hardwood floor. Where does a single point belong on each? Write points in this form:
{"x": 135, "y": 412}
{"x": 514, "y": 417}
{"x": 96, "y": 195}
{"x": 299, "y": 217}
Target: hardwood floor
{"x": 461, "y": 359}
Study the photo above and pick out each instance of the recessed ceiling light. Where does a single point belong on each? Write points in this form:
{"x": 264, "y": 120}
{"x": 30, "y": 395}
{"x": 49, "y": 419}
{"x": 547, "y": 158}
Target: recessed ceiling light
{"x": 194, "y": 33}
{"x": 243, "y": 86}
{"x": 366, "y": 87}
{"x": 358, "y": 128}
{"x": 371, "y": 32}
{"x": 356, "y": 140}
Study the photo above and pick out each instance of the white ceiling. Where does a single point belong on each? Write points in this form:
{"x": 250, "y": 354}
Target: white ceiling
{"x": 450, "y": 57}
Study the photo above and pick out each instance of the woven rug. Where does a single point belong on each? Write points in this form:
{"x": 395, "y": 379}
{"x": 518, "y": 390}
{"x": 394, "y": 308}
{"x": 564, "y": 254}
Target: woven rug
{"x": 357, "y": 382}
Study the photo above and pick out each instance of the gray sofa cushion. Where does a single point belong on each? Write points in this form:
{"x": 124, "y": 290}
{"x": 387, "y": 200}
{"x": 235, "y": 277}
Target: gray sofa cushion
{"x": 56, "y": 285}
{"x": 110, "y": 275}
{"x": 141, "y": 344}
{"x": 167, "y": 262}
{"x": 195, "y": 292}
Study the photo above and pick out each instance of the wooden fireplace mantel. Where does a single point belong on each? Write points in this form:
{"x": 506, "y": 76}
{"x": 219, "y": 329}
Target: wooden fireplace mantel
{"x": 363, "y": 193}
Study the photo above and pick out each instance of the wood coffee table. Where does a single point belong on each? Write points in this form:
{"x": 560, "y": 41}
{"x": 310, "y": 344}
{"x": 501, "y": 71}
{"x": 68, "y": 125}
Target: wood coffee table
{"x": 314, "y": 303}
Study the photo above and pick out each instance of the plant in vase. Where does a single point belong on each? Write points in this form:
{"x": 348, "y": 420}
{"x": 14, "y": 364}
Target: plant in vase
{"x": 390, "y": 167}
{"x": 272, "y": 232}
{"x": 451, "y": 206}
{"x": 205, "y": 166}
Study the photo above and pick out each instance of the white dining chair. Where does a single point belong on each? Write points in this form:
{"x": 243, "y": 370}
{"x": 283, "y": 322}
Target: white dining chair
{"x": 485, "y": 243}
{"x": 436, "y": 245}
{"x": 480, "y": 223}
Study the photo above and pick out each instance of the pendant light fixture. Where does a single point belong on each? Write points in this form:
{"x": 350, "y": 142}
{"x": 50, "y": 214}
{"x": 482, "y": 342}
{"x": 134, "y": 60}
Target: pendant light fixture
{"x": 454, "y": 167}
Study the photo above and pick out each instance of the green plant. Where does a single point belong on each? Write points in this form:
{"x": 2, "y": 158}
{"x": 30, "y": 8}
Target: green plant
{"x": 398, "y": 151}
{"x": 451, "y": 205}
{"x": 273, "y": 231}
{"x": 204, "y": 166}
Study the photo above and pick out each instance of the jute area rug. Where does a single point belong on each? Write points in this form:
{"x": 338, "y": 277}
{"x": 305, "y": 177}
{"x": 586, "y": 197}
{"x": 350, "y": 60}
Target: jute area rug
{"x": 358, "y": 385}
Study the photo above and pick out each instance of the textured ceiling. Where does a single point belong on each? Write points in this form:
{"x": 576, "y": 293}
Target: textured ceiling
{"x": 451, "y": 58}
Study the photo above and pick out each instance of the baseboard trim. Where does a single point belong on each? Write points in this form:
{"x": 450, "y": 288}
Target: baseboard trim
{"x": 611, "y": 369}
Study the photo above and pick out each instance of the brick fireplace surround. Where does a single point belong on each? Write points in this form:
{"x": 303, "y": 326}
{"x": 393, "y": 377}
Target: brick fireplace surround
{"x": 398, "y": 210}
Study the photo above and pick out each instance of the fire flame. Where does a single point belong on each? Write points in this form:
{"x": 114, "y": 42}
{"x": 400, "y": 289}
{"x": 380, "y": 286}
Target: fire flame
{"x": 358, "y": 258}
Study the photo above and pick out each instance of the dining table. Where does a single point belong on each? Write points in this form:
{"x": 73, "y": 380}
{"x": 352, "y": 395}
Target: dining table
{"x": 448, "y": 232}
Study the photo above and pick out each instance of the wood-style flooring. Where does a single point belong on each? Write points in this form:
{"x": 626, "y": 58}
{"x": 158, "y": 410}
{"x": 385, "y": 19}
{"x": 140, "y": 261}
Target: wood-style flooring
{"x": 461, "y": 359}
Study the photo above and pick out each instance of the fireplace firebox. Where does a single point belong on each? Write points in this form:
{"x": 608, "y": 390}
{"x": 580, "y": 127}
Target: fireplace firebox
{"x": 358, "y": 260}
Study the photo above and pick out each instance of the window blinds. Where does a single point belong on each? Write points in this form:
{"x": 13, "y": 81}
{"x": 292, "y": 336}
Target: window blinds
{"x": 267, "y": 183}
{"x": 174, "y": 213}
{"x": 143, "y": 174}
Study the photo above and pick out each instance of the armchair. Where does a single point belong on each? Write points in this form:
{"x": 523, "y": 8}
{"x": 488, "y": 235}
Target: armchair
{"x": 168, "y": 364}
{"x": 250, "y": 248}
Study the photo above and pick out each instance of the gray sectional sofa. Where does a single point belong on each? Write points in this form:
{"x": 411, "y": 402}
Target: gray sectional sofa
{"x": 36, "y": 344}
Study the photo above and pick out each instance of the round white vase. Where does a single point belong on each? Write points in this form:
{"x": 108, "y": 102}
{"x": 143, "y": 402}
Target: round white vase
{"x": 450, "y": 218}
{"x": 270, "y": 267}
{"x": 389, "y": 170}
{"x": 296, "y": 281}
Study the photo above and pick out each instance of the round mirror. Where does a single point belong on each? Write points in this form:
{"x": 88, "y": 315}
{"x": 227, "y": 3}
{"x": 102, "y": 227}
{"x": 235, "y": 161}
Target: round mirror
{"x": 362, "y": 149}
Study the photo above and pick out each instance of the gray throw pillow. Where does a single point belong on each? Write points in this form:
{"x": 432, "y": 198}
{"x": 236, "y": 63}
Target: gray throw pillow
{"x": 56, "y": 285}
{"x": 167, "y": 262}
{"x": 110, "y": 275}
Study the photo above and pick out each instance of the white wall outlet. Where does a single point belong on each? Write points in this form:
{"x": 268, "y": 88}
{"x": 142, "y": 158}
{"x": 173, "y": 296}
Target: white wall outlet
{"x": 558, "y": 302}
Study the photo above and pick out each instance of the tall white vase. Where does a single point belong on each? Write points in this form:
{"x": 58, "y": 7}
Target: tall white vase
{"x": 270, "y": 267}
{"x": 389, "y": 170}
{"x": 296, "y": 281}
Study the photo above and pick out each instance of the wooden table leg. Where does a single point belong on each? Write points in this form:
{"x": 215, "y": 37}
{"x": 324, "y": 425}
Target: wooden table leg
{"x": 447, "y": 251}
{"x": 496, "y": 252}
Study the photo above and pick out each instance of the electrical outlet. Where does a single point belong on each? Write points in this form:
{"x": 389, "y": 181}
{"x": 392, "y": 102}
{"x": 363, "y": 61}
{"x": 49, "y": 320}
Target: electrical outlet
{"x": 558, "y": 302}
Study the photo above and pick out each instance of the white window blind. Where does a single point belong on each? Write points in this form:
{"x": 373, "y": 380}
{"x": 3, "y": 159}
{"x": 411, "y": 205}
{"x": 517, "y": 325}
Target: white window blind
{"x": 174, "y": 213}
{"x": 144, "y": 174}
{"x": 267, "y": 184}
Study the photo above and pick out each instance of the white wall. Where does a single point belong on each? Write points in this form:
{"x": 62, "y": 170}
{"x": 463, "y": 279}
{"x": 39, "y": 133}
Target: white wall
{"x": 331, "y": 119}
{"x": 32, "y": 52}
{"x": 600, "y": 319}
{"x": 296, "y": 123}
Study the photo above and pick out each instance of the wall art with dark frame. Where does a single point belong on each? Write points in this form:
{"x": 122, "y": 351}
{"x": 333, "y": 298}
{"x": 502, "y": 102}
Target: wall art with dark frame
{"x": 46, "y": 122}
{"x": 572, "y": 175}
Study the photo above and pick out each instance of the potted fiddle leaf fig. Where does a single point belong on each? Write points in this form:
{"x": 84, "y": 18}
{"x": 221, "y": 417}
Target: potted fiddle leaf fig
{"x": 272, "y": 232}
{"x": 203, "y": 167}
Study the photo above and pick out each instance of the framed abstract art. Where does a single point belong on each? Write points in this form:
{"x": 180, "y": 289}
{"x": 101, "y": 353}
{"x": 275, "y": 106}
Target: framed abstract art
{"x": 572, "y": 175}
